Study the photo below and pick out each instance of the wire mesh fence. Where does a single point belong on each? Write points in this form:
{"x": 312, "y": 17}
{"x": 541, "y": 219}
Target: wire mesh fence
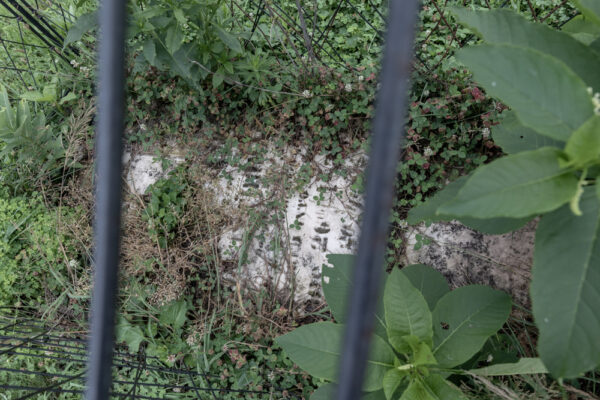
{"x": 31, "y": 32}
{"x": 43, "y": 361}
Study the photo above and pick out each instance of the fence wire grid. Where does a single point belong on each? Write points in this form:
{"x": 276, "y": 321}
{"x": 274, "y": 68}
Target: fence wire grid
{"x": 42, "y": 361}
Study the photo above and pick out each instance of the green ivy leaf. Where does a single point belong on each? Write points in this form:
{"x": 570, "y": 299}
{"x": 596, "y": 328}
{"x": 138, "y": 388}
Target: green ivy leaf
{"x": 406, "y": 312}
{"x": 336, "y": 283}
{"x": 493, "y": 25}
{"x": 316, "y": 349}
{"x": 546, "y": 94}
{"x": 565, "y": 288}
{"x": 464, "y": 319}
{"x": 514, "y": 137}
{"x": 429, "y": 282}
{"x": 515, "y": 186}
{"x": 522, "y": 367}
{"x": 584, "y": 144}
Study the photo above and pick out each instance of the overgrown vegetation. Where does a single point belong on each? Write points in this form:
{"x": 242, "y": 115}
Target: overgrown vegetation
{"x": 224, "y": 83}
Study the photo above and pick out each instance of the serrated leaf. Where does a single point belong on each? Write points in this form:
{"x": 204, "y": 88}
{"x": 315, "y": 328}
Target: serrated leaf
{"x": 464, "y": 319}
{"x": 428, "y": 281}
{"x": 83, "y": 25}
{"x": 589, "y": 8}
{"x": 316, "y": 349}
{"x": 546, "y": 94}
{"x": 514, "y": 137}
{"x": 522, "y": 367}
{"x": 515, "y": 186}
{"x": 429, "y": 211}
{"x": 406, "y": 312}
{"x": 565, "y": 288}
{"x": 337, "y": 284}
{"x": 228, "y": 39}
{"x": 149, "y": 51}
{"x": 506, "y": 26}
{"x": 392, "y": 380}
{"x": 174, "y": 39}
{"x": 584, "y": 144}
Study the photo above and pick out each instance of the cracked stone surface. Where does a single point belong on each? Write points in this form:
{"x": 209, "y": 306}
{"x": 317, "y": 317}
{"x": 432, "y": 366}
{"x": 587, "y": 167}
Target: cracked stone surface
{"x": 465, "y": 256}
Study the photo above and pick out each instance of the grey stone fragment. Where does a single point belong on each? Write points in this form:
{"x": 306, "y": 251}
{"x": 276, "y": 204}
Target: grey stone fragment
{"x": 465, "y": 256}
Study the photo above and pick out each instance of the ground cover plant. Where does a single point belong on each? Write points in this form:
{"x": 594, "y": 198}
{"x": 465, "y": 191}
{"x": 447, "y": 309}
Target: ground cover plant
{"x": 257, "y": 83}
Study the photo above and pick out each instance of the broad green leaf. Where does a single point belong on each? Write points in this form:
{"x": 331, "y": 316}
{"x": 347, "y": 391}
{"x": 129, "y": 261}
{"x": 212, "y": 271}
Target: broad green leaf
{"x": 416, "y": 391}
{"x": 428, "y": 281}
{"x": 429, "y": 211}
{"x": 228, "y": 39}
{"x": 505, "y": 26}
{"x": 149, "y": 51}
{"x": 174, "y": 314}
{"x": 69, "y": 97}
{"x": 514, "y": 137}
{"x": 337, "y": 284}
{"x": 83, "y": 25}
{"x": 582, "y": 29}
{"x": 316, "y": 349}
{"x": 464, "y": 319}
{"x": 174, "y": 39}
{"x": 565, "y": 288}
{"x": 589, "y": 8}
{"x": 522, "y": 367}
{"x": 441, "y": 389}
{"x": 327, "y": 392}
{"x": 420, "y": 351}
{"x": 392, "y": 380}
{"x": 130, "y": 334}
{"x": 546, "y": 94}
{"x": 584, "y": 144}
{"x": 516, "y": 186}
{"x": 406, "y": 312}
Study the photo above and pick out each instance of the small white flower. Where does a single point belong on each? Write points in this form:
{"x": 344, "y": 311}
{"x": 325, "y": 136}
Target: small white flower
{"x": 428, "y": 32}
{"x": 143, "y": 127}
{"x": 485, "y": 132}
{"x": 428, "y": 152}
{"x": 423, "y": 46}
{"x": 596, "y": 103}
{"x": 307, "y": 94}
{"x": 361, "y": 78}
{"x": 590, "y": 90}
{"x": 73, "y": 263}
{"x": 348, "y": 87}
{"x": 251, "y": 14}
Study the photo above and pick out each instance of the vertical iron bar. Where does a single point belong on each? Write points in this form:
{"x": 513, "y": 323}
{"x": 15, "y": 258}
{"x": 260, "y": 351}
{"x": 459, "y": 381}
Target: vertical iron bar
{"x": 111, "y": 104}
{"x": 388, "y": 135}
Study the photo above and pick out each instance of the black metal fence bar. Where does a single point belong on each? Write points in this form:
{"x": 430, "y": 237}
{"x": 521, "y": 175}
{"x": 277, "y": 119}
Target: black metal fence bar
{"x": 388, "y": 132}
{"x": 111, "y": 105}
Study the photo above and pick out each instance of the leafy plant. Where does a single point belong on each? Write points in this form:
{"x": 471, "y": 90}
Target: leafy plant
{"x": 25, "y": 136}
{"x": 166, "y": 205}
{"x": 423, "y": 333}
{"x": 552, "y": 135}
